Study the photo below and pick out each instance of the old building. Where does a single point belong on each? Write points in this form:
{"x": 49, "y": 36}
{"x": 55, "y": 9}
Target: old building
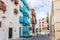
{"x": 24, "y": 18}
{"x": 55, "y": 20}
{"x": 43, "y": 26}
{"x": 10, "y": 16}
{"x": 33, "y": 20}
{"x": 40, "y": 24}
{"x": 9, "y": 19}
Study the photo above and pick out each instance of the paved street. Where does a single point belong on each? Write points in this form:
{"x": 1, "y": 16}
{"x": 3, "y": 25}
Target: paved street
{"x": 40, "y": 37}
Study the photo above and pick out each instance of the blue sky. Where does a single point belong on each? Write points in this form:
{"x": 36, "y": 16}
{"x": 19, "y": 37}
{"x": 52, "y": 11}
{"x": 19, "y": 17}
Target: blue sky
{"x": 41, "y": 7}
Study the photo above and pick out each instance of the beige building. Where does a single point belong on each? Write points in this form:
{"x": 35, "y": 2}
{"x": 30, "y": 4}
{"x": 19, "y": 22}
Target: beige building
{"x": 43, "y": 25}
{"x": 54, "y": 20}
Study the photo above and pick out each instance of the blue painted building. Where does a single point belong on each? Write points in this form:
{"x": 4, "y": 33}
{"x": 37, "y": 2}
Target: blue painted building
{"x": 24, "y": 9}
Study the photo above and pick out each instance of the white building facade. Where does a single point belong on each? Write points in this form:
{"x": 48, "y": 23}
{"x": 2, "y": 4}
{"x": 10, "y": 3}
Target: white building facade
{"x": 9, "y": 20}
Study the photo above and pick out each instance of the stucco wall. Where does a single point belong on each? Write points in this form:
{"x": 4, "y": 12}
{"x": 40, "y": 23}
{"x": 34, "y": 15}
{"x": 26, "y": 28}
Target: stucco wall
{"x": 10, "y": 18}
{"x": 57, "y": 19}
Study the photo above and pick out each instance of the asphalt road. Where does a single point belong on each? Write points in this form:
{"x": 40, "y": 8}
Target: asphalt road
{"x": 39, "y": 37}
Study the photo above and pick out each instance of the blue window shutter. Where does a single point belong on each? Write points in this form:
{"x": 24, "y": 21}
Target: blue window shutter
{"x": 26, "y": 4}
{"x": 25, "y": 31}
{"x": 24, "y": 11}
{"x": 21, "y": 19}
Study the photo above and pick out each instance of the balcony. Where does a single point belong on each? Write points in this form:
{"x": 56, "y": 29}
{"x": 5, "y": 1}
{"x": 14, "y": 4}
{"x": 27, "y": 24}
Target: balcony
{"x": 24, "y": 21}
{"x": 25, "y": 31}
{"x": 26, "y": 4}
{"x": 23, "y": 9}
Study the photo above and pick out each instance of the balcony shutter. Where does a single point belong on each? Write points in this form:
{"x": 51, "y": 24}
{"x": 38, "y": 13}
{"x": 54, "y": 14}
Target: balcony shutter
{"x": 26, "y": 4}
{"x": 21, "y": 19}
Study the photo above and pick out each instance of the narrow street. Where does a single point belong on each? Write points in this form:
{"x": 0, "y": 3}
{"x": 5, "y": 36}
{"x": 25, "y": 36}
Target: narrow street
{"x": 39, "y": 37}
{"x": 29, "y": 20}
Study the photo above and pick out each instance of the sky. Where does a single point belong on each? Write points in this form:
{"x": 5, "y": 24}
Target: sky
{"x": 41, "y": 7}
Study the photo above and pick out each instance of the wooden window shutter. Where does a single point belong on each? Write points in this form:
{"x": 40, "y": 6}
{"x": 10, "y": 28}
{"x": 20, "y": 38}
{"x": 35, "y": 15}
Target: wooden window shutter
{"x": 15, "y": 11}
{"x": 16, "y": 2}
{"x": 33, "y": 20}
{"x": 0, "y": 23}
{"x": 11, "y": 0}
{"x": 3, "y": 17}
{"x": 2, "y": 2}
{"x": 2, "y": 6}
{"x": 33, "y": 14}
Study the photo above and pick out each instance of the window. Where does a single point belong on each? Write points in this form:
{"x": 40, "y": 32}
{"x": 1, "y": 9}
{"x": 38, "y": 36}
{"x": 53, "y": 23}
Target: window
{"x": 16, "y": 2}
{"x": 33, "y": 20}
{"x": 2, "y": 6}
{"x": 0, "y": 23}
{"x": 11, "y": 0}
{"x": 15, "y": 11}
{"x": 3, "y": 17}
{"x": 42, "y": 18}
{"x": 42, "y": 21}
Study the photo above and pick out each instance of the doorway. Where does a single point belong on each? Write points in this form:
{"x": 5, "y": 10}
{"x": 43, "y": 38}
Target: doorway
{"x": 20, "y": 31}
{"x": 10, "y": 32}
